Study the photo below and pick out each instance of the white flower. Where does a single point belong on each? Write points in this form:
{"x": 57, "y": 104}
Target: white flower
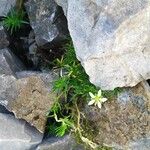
{"x": 97, "y": 99}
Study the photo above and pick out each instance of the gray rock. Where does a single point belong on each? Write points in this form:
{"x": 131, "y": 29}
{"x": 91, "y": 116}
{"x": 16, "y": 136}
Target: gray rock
{"x": 47, "y": 77}
{"x": 29, "y": 98}
{"x": 123, "y": 123}
{"x": 5, "y": 6}
{"x": 111, "y": 39}
{"x": 143, "y": 144}
{"x": 17, "y": 134}
{"x": 9, "y": 63}
{"x": 3, "y": 38}
{"x": 47, "y": 21}
{"x": 33, "y": 54}
{"x": 65, "y": 143}
{"x": 5, "y": 81}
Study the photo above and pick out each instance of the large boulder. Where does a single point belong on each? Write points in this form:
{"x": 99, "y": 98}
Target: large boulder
{"x": 47, "y": 21}
{"x": 3, "y": 38}
{"x": 112, "y": 39}
{"x": 17, "y": 134}
{"x": 5, "y": 6}
{"x": 123, "y": 123}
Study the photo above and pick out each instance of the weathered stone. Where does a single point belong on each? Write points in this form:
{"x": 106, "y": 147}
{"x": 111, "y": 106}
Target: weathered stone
{"x": 3, "y": 38}
{"x": 65, "y": 143}
{"x": 17, "y": 134}
{"x": 112, "y": 39}
{"x": 29, "y": 98}
{"x": 123, "y": 123}
{"x": 5, "y": 82}
{"x": 5, "y": 6}
{"x": 33, "y": 54}
{"x": 47, "y": 21}
{"x": 47, "y": 78}
{"x": 9, "y": 63}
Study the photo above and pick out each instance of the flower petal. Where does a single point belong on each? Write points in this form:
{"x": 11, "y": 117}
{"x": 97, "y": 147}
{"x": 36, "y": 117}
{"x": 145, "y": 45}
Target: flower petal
{"x": 99, "y": 93}
{"x": 99, "y": 105}
{"x": 92, "y": 95}
{"x": 104, "y": 100}
{"x": 91, "y": 102}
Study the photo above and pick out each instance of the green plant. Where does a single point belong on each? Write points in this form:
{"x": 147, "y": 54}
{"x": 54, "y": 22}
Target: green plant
{"x": 62, "y": 123}
{"x": 73, "y": 87}
{"x": 14, "y": 20}
{"x": 73, "y": 78}
{"x": 65, "y": 124}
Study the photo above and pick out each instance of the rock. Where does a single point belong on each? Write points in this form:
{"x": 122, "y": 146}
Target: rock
{"x": 47, "y": 77}
{"x": 47, "y": 21}
{"x": 26, "y": 94}
{"x": 17, "y": 134}
{"x": 5, "y": 6}
{"x": 111, "y": 39}
{"x": 3, "y": 38}
{"x": 30, "y": 98}
{"x": 65, "y": 143}
{"x": 33, "y": 54}
{"x": 9, "y": 63}
{"x": 123, "y": 123}
{"x": 5, "y": 81}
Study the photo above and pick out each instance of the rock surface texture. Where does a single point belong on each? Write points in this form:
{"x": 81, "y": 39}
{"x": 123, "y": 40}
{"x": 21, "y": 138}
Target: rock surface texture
{"x": 17, "y": 134}
{"x": 5, "y": 6}
{"x": 65, "y": 143}
{"x": 112, "y": 39}
{"x": 3, "y": 38}
{"x": 9, "y": 63}
{"x": 124, "y": 123}
{"x": 29, "y": 98}
{"x": 25, "y": 93}
{"x": 47, "y": 21}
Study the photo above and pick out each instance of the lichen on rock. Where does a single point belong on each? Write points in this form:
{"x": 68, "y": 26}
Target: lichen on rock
{"x": 123, "y": 123}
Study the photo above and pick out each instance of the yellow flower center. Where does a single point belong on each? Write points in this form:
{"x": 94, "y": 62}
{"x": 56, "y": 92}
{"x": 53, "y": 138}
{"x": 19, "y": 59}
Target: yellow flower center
{"x": 97, "y": 98}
